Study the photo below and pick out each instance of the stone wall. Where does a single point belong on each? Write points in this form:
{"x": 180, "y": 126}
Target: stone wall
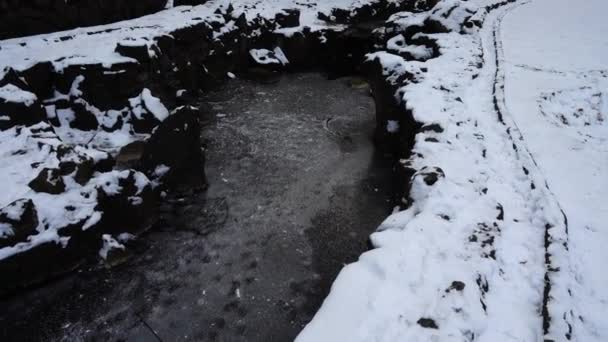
{"x": 20, "y": 18}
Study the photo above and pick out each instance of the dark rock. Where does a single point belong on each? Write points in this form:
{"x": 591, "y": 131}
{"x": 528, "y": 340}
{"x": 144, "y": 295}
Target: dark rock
{"x": 456, "y": 285}
{"x": 138, "y": 52}
{"x": 397, "y": 143}
{"x": 431, "y": 128}
{"x": 431, "y": 175}
{"x": 40, "y": 78}
{"x": 430, "y": 178}
{"x": 104, "y": 164}
{"x": 110, "y": 88}
{"x": 84, "y": 171}
{"x": 132, "y": 210}
{"x": 303, "y": 51}
{"x": 116, "y": 256}
{"x": 501, "y": 212}
{"x": 427, "y": 323}
{"x": 130, "y": 155}
{"x": 20, "y": 113}
{"x": 288, "y": 18}
{"x": 403, "y": 175}
{"x": 176, "y": 144}
{"x": 145, "y": 122}
{"x": 83, "y": 119}
{"x": 48, "y": 181}
{"x": 22, "y": 217}
{"x": 12, "y": 77}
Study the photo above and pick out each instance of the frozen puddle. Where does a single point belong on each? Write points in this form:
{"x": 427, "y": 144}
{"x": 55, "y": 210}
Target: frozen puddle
{"x": 295, "y": 190}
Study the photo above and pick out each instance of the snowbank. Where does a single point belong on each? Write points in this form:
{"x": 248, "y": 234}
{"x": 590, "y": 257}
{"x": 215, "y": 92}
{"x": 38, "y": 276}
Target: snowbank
{"x": 478, "y": 253}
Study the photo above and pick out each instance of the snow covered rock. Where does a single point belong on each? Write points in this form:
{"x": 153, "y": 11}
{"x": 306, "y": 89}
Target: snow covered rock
{"x": 18, "y": 107}
{"x": 18, "y": 220}
{"x": 48, "y": 181}
{"x": 175, "y": 147}
{"x": 395, "y": 126}
{"x": 274, "y": 58}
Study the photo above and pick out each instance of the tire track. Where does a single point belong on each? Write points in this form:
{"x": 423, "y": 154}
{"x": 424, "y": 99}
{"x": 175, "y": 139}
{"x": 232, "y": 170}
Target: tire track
{"x": 557, "y": 316}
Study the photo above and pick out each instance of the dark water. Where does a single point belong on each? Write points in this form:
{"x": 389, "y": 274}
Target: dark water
{"x": 295, "y": 190}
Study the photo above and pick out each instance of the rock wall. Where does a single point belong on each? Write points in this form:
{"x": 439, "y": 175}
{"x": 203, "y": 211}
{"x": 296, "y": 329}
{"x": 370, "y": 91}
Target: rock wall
{"x": 23, "y": 18}
{"x": 113, "y": 136}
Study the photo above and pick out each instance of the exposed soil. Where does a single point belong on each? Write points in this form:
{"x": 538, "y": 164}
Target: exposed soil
{"x": 295, "y": 190}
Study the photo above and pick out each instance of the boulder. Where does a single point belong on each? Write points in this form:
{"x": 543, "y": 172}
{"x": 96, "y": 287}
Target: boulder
{"x": 137, "y": 52}
{"x": 83, "y": 120}
{"x": 130, "y": 155}
{"x": 176, "y": 145}
{"x": 12, "y": 77}
{"x": 19, "y": 220}
{"x": 19, "y": 107}
{"x": 288, "y": 18}
{"x": 132, "y": 210}
{"x": 48, "y": 181}
{"x": 109, "y": 88}
{"x": 395, "y": 125}
{"x": 40, "y": 78}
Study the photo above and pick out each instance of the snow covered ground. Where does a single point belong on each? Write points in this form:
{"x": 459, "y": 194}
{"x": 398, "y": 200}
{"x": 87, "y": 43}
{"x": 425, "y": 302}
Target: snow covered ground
{"x": 556, "y": 78}
{"x": 503, "y": 235}
{"x": 483, "y": 253}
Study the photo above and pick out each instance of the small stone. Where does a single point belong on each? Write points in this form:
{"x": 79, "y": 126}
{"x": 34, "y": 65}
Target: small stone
{"x": 22, "y": 218}
{"x": 427, "y": 323}
{"x": 48, "y": 181}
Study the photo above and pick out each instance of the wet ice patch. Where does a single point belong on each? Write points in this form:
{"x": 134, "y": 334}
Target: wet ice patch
{"x": 579, "y": 107}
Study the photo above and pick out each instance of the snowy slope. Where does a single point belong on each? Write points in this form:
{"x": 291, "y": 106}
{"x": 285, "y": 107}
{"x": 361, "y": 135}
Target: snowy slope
{"x": 556, "y": 77}
{"x": 482, "y": 254}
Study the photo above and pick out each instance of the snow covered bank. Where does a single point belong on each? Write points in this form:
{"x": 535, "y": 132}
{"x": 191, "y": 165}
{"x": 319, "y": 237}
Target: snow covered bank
{"x": 481, "y": 251}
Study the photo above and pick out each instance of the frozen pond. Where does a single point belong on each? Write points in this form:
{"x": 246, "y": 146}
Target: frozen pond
{"x": 295, "y": 190}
